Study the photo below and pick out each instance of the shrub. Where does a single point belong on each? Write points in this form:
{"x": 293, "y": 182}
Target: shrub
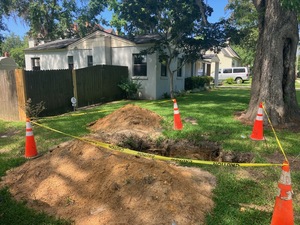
{"x": 230, "y": 80}
{"x": 166, "y": 95}
{"x": 197, "y": 82}
{"x": 33, "y": 110}
{"x": 130, "y": 88}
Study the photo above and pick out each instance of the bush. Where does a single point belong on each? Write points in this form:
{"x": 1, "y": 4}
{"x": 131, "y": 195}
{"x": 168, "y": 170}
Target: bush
{"x": 130, "y": 88}
{"x": 33, "y": 110}
{"x": 197, "y": 82}
{"x": 230, "y": 80}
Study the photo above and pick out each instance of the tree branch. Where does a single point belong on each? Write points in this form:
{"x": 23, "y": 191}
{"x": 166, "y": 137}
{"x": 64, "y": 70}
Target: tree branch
{"x": 202, "y": 10}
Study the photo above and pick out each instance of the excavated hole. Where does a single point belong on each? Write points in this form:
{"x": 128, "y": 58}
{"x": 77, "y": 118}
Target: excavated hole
{"x": 140, "y": 129}
{"x": 202, "y": 150}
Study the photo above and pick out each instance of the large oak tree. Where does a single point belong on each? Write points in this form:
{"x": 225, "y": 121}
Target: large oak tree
{"x": 274, "y": 67}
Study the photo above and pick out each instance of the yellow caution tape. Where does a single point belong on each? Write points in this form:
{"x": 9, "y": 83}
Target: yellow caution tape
{"x": 278, "y": 142}
{"x": 159, "y": 157}
{"x": 84, "y": 113}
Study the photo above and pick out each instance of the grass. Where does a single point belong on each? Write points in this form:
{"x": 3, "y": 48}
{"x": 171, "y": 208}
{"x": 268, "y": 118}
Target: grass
{"x": 248, "y": 84}
{"x": 238, "y": 189}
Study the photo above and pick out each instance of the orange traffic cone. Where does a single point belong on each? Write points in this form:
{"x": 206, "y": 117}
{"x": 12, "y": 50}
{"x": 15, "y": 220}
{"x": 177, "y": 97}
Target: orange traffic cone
{"x": 258, "y": 131}
{"x": 283, "y": 210}
{"x": 177, "y": 121}
{"x": 30, "y": 146}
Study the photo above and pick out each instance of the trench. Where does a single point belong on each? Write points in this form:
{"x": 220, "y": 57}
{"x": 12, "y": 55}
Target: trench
{"x": 198, "y": 150}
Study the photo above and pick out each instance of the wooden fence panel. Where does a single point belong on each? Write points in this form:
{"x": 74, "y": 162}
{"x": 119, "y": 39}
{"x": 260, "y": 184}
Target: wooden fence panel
{"x": 8, "y": 96}
{"x": 53, "y": 87}
{"x": 114, "y": 75}
{"x": 99, "y": 83}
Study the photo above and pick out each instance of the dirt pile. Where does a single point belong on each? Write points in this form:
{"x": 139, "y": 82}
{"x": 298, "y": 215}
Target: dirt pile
{"x": 91, "y": 185}
{"x": 95, "y": 186}
{"x": 129, "y": 120}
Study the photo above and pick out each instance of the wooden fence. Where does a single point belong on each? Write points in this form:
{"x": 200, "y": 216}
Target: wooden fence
{"x": 9, "y": 108}
{"x": 55, "y": 88}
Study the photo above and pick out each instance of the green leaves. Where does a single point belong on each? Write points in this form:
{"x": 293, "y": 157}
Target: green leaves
{"x": 54, "y": 19}
{"x": 15, "y": 46}
{"x": 293, "y": 5}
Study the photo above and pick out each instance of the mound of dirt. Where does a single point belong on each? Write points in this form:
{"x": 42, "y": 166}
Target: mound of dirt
{"x": 91, "y": 185}
{"x": 127, "y": 120}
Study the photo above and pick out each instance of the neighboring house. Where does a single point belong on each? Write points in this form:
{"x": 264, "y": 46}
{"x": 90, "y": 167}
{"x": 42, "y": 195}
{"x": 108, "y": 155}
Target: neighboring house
{"x": 101, "y": 47}
{"x": 227, "y": 58}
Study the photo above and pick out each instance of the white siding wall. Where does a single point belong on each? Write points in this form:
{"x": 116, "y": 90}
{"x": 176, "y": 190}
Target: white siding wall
{"x": 123, "y": 56}
{"x": 53, "y": 60}
{"x": 178, "y": 81}
{"x": 162, "y": 83}
{"x": 225, "y": 61}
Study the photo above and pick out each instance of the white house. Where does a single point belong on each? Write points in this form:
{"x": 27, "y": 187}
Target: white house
{"x": 102, "y": 47}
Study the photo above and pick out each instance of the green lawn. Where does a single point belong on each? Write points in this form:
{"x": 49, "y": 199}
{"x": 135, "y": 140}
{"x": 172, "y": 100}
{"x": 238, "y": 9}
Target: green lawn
{"x": 248, "y": 84}
{"x": 238, "y": 189}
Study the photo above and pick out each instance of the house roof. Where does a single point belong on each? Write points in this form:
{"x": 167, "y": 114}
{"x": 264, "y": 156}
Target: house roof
{"x": 211, "y": 58}
{"x": 64, "y": 43}
{"x": 143, "y": 39}
{"x": 110, "y": 31}
{"x": 58, "y": 44}
{"x": 229, "y": 52}
{"x": 208, "y": 56}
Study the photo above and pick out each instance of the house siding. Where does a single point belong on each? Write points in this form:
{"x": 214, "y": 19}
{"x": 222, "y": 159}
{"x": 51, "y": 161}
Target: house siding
{"x": 54, "y": 60}
{"x": 124, "y": 56}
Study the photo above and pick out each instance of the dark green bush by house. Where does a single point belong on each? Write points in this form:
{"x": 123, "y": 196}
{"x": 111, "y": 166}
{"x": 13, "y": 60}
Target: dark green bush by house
{"x": 197, "y": 82}
{"x": 130, "y": 88}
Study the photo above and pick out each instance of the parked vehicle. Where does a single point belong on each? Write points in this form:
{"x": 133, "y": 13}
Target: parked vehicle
{"x": 239, "y": 74}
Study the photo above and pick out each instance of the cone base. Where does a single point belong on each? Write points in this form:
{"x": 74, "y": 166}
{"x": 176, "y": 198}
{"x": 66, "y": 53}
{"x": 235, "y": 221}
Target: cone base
{"x": 257, "y": 139}
{"x": 32, "y": 157}
{"x": 177, "y": 128}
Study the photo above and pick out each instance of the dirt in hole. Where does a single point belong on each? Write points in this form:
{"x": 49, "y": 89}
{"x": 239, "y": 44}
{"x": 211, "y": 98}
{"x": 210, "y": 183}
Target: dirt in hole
{"x": 91, "y": 185}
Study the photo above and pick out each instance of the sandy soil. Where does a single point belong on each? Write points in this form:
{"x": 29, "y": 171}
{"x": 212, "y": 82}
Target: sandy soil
{"x": 91, "y": 185}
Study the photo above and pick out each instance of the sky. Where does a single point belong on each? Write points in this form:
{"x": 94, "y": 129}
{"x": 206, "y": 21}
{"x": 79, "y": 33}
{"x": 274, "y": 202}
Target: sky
{"x": 17, "y": 27}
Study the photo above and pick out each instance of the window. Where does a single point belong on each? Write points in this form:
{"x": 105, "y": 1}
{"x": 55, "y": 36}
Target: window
{"x": 227, "y": 71}
{"x": 139, "y": 65}
{"x": 90, "y": 60}
{"x": 163, "y": 69}
{"x": 35, "y": 62}
{"x": 239, "y": 70}
{"x": 179, "y": 67}
{"x": 70, "y": 62}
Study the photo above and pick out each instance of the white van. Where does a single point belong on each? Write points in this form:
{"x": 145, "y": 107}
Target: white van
{"x": 239, "y": 74}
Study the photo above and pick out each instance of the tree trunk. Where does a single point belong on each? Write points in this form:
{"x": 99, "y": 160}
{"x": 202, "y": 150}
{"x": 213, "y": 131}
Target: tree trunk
{"x": 273, "y": 75}
{"x": 171, "y": 75}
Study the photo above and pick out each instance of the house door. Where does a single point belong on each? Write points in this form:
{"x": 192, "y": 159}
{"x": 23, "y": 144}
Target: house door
{"x": 208, "y": 69}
